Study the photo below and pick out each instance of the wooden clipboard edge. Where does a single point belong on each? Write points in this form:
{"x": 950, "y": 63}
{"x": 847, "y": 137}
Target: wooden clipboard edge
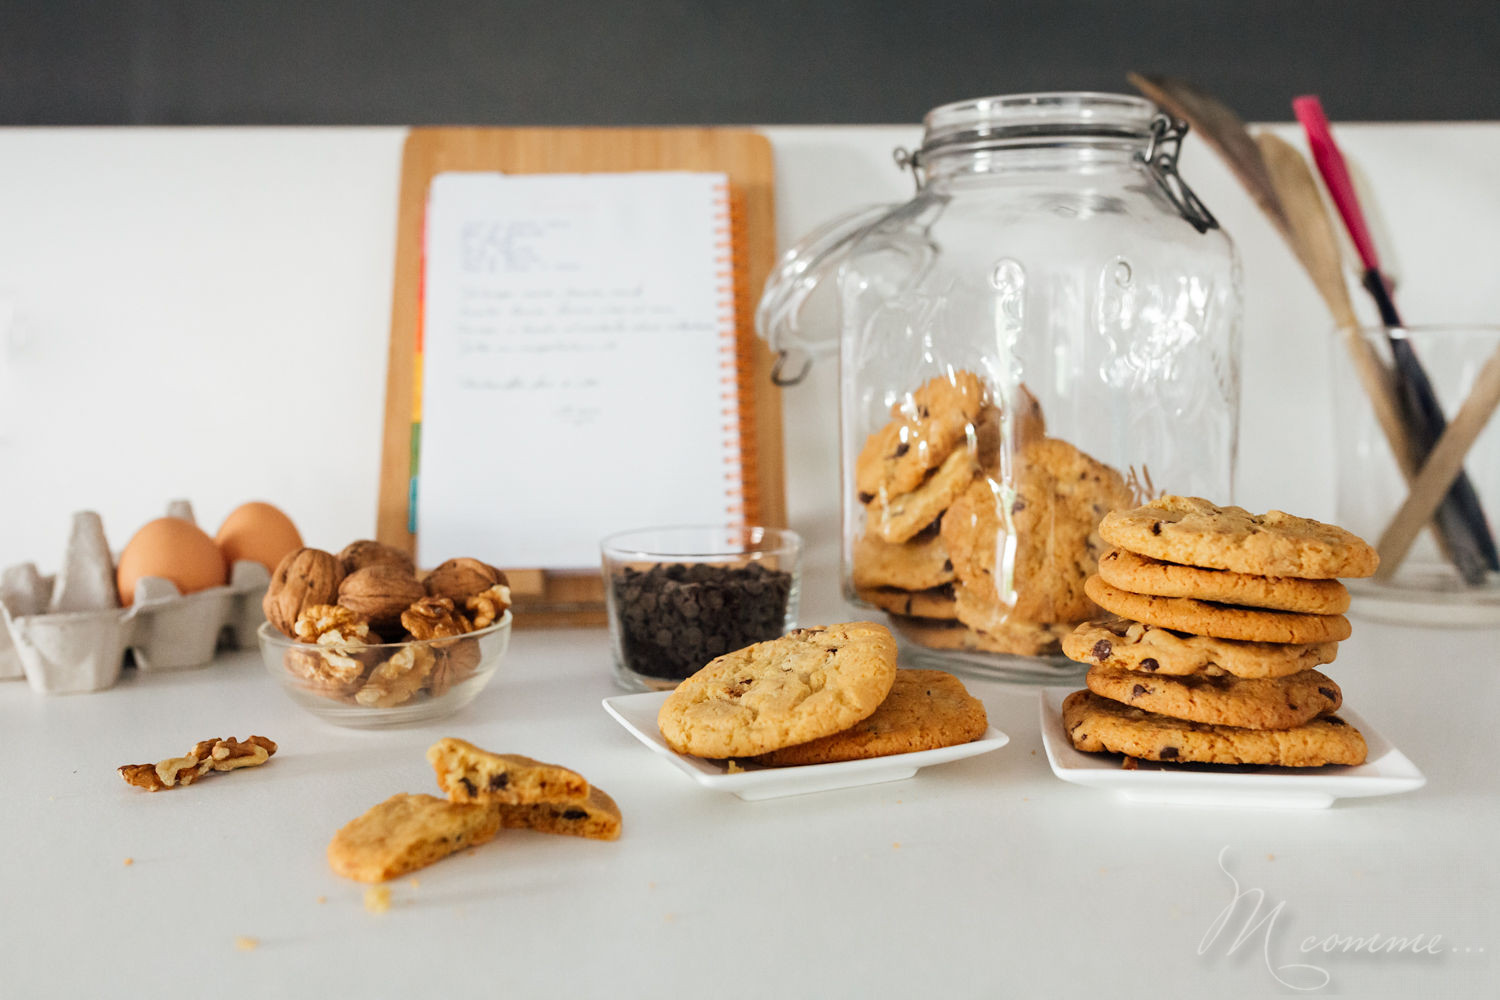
{"x": 426, "y": 153}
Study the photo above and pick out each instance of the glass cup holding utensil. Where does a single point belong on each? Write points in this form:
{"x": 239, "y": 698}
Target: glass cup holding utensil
{"x": 1397, "y": 502}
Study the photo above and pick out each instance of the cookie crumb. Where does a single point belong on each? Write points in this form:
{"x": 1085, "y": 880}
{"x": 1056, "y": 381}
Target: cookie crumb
{"x": 895, "y": 845}
{"x": 1270, "y": 857}
{"x": 377, "y": 899}
{"x": 733, "y": 767}
{"x": 246, "y": 943}
{"x": 129, "y": 862}
{"x": 1130, "y": 764}
{"x": 322, "y": 899}
{"x": 415, "y": 883}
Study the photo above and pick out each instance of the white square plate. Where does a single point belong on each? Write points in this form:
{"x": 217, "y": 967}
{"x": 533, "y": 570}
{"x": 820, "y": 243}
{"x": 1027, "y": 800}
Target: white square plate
{"x": 637, "y": 713}
{"x": 1385, "y": 771}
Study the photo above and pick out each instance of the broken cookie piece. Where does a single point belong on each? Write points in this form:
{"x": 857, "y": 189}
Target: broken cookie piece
{"x": 407, "y": 832}
{"x": 597, "y": 817}
{"x": 468, "y": 774}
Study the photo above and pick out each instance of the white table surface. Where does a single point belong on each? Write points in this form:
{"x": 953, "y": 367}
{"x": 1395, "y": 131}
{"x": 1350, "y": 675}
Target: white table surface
{"x": 984, "y": 877}
{"x": 162, "y": 291}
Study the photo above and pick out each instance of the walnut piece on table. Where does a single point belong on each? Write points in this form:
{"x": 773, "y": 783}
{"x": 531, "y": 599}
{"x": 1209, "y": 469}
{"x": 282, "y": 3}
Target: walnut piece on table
{"x": 207, "y": 755}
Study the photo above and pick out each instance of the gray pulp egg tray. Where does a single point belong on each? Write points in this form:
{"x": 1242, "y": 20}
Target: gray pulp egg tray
{"x": 68, "y": 633}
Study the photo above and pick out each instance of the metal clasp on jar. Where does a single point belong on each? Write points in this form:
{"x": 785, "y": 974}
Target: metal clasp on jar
{"x": 1160, "y": 161}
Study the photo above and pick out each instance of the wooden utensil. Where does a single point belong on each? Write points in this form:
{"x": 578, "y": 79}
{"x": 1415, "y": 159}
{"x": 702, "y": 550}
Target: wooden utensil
{"x": 1311, "y": 235}
{"x": 1223, "y": 130}
{"x": 1460, "y": 518}
{"x": 1441, "y": 468}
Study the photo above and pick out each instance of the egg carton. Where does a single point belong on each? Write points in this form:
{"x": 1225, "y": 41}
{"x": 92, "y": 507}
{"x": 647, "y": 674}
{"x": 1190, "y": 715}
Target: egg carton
{"x": 68, "y": 634}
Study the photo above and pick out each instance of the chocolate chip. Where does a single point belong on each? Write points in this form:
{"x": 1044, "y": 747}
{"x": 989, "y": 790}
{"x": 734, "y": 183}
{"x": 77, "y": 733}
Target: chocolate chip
{"x": 499, "y": 781}
{"x": 947, "y": 565}
{"x": 923, "y": 413}
{"x": 468, "y": 785}
{"x": 1018, "y": 506}
{"x": 1101, "y": 650}
{"x": 1149, "y": 663}
{"x": 1138, "y": 690}
{"x": 1168, "y": 753}
{"x": 901, "y": 449}
{"x": 1155, "y": 527}
{"x": 674, "y": 617}
{"x": 1329, "y": 693}
{"x": 866, "y": 497}
{"x": 575, "y": 814}
{"x": 1334, "y": 720}
{"x": 1113, "y": 554}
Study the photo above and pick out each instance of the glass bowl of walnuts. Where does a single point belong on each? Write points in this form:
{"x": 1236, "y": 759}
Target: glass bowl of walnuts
{"x": 360, "y": 638}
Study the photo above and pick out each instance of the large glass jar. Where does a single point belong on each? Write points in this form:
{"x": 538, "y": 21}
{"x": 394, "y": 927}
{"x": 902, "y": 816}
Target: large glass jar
{"x": 1047, "y": 331}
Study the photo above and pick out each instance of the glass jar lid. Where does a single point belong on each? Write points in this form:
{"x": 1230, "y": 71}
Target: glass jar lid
{"x": 1031, "y": 120}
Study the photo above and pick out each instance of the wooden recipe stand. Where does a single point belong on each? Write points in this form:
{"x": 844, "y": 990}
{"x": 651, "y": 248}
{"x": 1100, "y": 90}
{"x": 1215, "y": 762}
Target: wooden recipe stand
{"x": 545, "y": 596}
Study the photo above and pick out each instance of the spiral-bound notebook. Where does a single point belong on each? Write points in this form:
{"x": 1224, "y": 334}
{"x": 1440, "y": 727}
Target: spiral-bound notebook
{"x": 578, "y": 371}
{"x": 572, "y": 349}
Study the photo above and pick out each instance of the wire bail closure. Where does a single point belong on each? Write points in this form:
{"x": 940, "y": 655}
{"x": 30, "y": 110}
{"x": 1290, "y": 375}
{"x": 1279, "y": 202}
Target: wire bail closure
{"x": 1160, "y": 161}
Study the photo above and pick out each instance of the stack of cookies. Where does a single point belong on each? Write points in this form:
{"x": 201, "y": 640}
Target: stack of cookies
{"x": 967, "y": 546}
{"x": 816, "y": 696}
{"x": 1220, "y": 619}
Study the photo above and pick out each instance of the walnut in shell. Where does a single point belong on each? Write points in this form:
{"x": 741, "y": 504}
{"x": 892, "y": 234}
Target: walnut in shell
{"x": 367, "y": 552}
{"x": 302, "y": 579}
{"x": 457, "y": 661}
{"x": 462, "y": 578}
{"x": 379, "y": 593}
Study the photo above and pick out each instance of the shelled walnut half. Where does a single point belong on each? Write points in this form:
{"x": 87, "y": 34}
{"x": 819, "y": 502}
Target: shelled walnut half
{"x": 206, "y": 756}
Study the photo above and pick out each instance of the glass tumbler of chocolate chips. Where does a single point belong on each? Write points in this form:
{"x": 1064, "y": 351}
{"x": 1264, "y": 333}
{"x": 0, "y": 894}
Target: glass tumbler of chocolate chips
{"x": 680, "y": 596}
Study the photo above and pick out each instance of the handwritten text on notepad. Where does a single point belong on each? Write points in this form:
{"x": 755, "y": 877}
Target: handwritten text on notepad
{"x": 580, "y": 322}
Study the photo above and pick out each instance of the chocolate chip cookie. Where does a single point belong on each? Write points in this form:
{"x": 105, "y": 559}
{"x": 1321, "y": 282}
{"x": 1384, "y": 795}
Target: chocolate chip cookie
{"x": 1035, "y": 540}
{"x": 919, "y": 563}
{"x": 1096, "y": 724}
{"x": 595, "y": 817}
{"x": 1194, "y": 532}
{"x": 1143, "y": 575}
{"x": 934, "y": 603}
{"x": 407, "y": 832}
{"x": 810, "y": 683}
{"x": 899, "y": 517}
{"x": 1223, "y": 621}
{"x": 466, "y": 773}
{"x": 1014, "y": 637}
{"x": 925, "y": 709}
{"x": 1123, "y": 644}
{"x": 925, "y": 429}
{"x": 1226, "y": 700}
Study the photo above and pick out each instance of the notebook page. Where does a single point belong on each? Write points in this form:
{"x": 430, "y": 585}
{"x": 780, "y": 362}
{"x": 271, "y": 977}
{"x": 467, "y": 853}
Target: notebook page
{"x": 574, "y": 330}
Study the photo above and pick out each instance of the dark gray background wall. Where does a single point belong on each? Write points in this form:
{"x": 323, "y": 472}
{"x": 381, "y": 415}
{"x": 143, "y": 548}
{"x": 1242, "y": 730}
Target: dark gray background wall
{"x": 65, "y": 62}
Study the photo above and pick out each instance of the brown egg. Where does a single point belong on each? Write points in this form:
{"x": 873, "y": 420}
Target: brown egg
{"x": 175, "y": 550}
{"x": 258, "y": 532}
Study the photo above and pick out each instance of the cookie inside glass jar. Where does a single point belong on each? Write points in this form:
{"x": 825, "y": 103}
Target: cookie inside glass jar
{"x": 979, "y": 529}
